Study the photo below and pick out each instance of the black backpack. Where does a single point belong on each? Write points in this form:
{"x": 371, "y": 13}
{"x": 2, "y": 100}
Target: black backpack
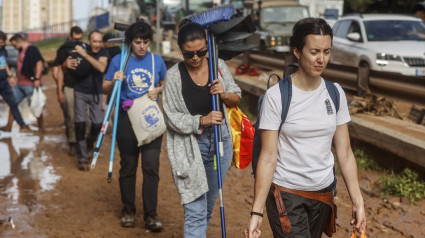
{"x": 285, "y": 86}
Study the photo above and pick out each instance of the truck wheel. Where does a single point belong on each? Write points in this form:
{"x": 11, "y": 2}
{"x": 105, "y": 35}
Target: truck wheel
{"x": 363, "y": 74}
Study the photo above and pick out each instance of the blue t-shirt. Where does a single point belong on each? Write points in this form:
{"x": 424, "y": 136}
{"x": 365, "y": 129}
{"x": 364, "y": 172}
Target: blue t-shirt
{"x": 138, "y": 75}
{"x": 3, "y": 63}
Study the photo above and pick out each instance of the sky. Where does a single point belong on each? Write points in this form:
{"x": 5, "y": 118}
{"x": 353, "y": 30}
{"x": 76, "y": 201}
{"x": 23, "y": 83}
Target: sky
{"x": 82, "y": 8}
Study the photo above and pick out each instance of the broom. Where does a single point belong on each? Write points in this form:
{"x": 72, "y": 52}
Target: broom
{"x": 205, "y": 18}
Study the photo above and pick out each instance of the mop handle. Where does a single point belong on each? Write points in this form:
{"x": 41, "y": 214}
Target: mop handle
{"x": 106, "y": 118}
{"x": 217, "y": 132}
{"x": 123, "y": 66}
{"x": 104, "y": 127}
{"x": 217, "y": 97}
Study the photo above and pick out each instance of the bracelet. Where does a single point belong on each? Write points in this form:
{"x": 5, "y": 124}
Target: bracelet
{"x": 257, "y": 213}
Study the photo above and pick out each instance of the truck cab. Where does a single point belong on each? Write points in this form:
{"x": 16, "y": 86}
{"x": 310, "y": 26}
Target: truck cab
{"x": 275, "y": 22}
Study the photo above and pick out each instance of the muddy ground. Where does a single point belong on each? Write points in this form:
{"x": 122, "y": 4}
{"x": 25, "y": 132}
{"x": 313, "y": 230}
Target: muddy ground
{"x": 47, "y": 196}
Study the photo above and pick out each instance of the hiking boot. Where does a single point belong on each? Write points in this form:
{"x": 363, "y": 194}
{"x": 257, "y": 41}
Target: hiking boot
{"x": 72, "y": 149}
{"x": 83, "y": 166}
{"x": 127, "y": 219}
{"x": 153, "y": 224}
{"x": 25, "y": 129}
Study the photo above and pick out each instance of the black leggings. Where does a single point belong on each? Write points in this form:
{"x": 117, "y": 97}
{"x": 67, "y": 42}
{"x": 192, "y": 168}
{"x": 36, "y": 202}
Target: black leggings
{"x": 129, "y": 152}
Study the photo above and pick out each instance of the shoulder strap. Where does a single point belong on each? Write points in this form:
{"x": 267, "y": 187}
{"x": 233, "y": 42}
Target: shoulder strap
{"x": 285, "y": 87}
{"x": 334, "y": 93}
{"x": 271, "y": 75}
{"x": 153, "y": 73}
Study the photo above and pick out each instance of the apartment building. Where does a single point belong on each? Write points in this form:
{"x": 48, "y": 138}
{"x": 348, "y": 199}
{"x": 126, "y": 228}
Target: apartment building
{"x": 20, "y": 15}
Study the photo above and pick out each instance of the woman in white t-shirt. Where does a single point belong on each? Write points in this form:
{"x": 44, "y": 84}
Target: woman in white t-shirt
{"x": 295, "y": 176}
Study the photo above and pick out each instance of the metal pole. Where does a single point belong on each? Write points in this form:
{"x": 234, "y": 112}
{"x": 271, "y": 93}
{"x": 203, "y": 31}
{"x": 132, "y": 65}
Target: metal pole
{"x": 158, "y": 17}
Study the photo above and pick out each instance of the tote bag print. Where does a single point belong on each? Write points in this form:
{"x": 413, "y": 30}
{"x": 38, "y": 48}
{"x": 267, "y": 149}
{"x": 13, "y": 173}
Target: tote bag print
{"x": 150, "y": 118}
{"x": 146, "y": 118}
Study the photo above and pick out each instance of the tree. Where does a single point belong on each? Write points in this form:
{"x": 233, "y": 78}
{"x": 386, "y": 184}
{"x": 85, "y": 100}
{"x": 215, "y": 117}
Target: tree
{"x": 358, "y": 6}
{"x": 380, "y": 6}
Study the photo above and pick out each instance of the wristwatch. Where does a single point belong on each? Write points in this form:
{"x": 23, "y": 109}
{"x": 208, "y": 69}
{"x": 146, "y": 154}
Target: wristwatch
{"x": 33, "y": 78}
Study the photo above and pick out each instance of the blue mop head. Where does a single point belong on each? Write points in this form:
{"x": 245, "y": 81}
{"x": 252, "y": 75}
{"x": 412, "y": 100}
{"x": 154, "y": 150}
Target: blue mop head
{"x": 216, "y": 14}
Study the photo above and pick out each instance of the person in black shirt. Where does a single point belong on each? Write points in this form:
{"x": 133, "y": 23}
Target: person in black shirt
{"x": 91, "y": 63}
{"x": 65, "y": 84}
{"x": 112, "y": 49}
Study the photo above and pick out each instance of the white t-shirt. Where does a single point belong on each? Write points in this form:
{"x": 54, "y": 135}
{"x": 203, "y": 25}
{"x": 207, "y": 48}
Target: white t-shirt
{"x": 305, "y": 161}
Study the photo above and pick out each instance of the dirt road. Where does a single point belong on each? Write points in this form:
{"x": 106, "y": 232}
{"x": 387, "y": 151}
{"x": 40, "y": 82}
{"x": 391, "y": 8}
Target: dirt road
{"x": 73, "y": 203}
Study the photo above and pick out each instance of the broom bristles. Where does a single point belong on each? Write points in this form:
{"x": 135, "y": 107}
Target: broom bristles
{"x": 216, "y": 14}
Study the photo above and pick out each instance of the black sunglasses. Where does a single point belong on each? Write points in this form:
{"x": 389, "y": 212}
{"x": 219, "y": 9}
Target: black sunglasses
{"x": 190, "y": 54}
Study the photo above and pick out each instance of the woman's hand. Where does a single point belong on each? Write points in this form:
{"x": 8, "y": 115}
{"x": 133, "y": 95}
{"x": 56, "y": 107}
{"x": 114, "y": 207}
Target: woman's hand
{"x": 119, "y": 75}
{"x": 217, "y": 87}
{"x": 253, "y": 228}
{"x": 213, "y": 118}
{"x": 153, "y": 94}
{"x": 358, "y": 220}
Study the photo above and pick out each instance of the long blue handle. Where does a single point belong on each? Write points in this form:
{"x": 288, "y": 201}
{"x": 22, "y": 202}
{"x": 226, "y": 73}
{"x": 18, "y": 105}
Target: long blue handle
{"x": 114, "y": 131}
{"x": 105, "y": 123}
{"x": 104, "y": 127}
{"x": 125, "y": 54}
{"x": 211, "y": 52}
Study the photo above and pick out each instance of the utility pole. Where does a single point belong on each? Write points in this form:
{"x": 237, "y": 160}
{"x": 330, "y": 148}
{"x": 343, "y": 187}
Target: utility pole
{"x": 158, "y": 19}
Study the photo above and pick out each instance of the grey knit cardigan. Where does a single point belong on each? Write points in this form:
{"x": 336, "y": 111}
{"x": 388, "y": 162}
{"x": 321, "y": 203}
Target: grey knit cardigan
{"x": 182, "y": 129}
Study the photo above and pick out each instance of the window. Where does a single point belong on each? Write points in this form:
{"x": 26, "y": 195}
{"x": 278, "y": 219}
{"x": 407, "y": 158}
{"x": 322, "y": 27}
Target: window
{"x": 341, "y": 30}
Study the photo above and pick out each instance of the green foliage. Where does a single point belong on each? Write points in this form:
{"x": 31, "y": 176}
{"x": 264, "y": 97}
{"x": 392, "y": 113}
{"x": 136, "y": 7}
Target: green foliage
{"x": 50, "y": 44}
{"x": 359, "y": 6}
{"x": 405, "y": 185}
{"x": 364, "y": 161}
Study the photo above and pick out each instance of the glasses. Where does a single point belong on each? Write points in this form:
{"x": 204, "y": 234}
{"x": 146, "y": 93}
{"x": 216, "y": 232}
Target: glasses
{"x": 190, "y": 54}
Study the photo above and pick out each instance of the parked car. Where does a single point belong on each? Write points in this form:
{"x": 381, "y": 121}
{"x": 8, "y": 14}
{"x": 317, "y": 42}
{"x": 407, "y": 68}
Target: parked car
{"x": 372, "y": 44}
{"x": 12, "y": 58}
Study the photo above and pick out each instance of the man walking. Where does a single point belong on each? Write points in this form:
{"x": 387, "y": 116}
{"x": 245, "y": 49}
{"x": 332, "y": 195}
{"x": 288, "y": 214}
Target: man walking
{"x": 65, "y": 83}
{"x": 6, "y": 80}
{"x": 30, "y": 67}
{"x": 88, "y": 92}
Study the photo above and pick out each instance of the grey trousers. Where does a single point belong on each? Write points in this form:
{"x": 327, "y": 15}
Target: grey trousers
{"x": 93, "y": 103}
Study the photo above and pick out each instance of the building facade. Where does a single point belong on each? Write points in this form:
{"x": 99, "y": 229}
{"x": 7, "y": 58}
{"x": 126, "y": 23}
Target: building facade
{"x": 21, "y": 15}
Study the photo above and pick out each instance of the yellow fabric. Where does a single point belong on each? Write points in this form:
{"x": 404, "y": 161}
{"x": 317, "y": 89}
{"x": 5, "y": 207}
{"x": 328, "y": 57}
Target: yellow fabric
{"x": 362, "y": 236}
{"x": 235, "y": 121}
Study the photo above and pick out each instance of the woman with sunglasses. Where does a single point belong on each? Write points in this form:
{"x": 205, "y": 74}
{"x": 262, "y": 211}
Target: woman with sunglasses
{"x": 190, "y": 127}
{"x": 143, "y": 68}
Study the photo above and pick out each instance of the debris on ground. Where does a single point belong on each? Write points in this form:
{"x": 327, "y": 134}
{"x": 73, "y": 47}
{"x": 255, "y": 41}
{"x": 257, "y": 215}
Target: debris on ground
{"x": 6, "y": 223}
{"x": 417, "y": 115}
{"x": 373, "y": 105}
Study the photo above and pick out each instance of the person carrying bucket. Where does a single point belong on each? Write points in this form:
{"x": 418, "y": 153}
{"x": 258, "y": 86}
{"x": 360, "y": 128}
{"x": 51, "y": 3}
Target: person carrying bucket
{"x": 190, "y": 133}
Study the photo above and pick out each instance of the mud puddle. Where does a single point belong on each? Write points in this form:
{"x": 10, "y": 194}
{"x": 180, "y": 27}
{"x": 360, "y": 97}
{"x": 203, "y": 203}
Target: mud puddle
{"x": 25, "y": 173}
